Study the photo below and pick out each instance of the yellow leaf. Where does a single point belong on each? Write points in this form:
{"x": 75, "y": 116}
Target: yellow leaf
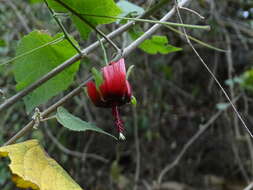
{"x": 32, "y": 167}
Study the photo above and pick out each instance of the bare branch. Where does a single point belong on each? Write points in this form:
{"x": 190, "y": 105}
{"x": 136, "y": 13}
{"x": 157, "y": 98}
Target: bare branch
{"x": 19, "y": 15}
{"x": 89, "y": 24}
{"x": 12, "y": 100}
{"x": 202, "y": 129}
{"x": 212, "y": 74}
{"x": 74, "y": 153}
{"x": 77, "y": 90}
{"x": 48, "y": 111}
{"x": 152, "y": 30}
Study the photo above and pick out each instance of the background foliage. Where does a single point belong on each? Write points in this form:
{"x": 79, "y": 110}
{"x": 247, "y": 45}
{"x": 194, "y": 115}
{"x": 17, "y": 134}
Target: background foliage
{"x": 175, "y": 94}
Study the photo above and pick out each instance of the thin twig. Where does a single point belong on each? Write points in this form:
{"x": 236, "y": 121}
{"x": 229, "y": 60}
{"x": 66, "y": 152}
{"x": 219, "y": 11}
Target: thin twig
{"x": 33, "y": 50}
{"x": 77, "y": 90}
{"x": 214, "y": 70}
{"x": 63, "y": 28}
{"x": 19, "y": 15}
{"x": 73, "y": 152}
{"x": 192, "y": 11}
{"x": 214, "y": 77}
{"x": 240, "y": 162}
{"x": 48, "y": 111}
{"x": 249, "y": 187}
{"x": 196, "y": 40}
{"x": 230, "y": 76}
{"x": 204, "y": 27}
{"x": 202, "y": 129}
{"x": 149, "y": 33}
{"x": 12, "y": 100}
{"x": 89, "y": 24}
{"x": 137, "y": 147}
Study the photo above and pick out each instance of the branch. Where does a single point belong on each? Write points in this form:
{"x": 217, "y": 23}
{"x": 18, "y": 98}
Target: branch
{"x": 89, "y": 24}
{"x": 19, "y": 15}
{"x": 203, "y": 27}
{"x": 202, "y": 129}
{"x": 12, "y": 100}
{"x": 212, "y": 75}
{"x": 137, "y": 148}
{"x": 48, "y": 111}
{"x": 77, "y": 90}
{"x": 66, "y": 35}
{"x": 77, "y": 154}
{"x": 152, "y": 30}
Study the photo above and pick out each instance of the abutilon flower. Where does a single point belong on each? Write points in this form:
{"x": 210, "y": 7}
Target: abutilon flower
{"x": 115, "y": 91}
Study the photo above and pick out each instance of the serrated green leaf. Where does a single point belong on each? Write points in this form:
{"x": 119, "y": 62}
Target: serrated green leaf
{"x": 157, "y": 44}
{"x": 92, "y": 7}
{"x": 31, "y": 67}
{"x": 76, "y": 124}
{"x": 98, "y": 77}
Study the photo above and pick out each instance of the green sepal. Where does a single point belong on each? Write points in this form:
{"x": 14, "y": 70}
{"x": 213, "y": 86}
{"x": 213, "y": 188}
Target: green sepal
{"x": 98, "y": 77}
{"x": 129, "y": 71}
{"x": 133, "y": 100}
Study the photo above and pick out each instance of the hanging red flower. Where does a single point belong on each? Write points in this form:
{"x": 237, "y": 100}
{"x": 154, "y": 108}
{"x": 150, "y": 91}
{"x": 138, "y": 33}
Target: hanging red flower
{"x": 115, "y": 91}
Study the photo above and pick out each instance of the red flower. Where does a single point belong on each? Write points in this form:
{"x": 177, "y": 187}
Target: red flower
{"x": 115, "y": 90}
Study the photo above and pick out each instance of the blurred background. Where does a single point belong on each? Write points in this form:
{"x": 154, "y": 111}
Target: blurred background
{"x": 182, "y": 134}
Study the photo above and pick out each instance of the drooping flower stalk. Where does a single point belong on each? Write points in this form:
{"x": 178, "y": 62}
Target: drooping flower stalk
{"x": 117, "y": 121}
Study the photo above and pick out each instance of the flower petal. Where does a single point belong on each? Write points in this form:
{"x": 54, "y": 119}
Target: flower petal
{"x": 114, "y": 79}
{"x": 93, "y": 93}
{"x": 115, "y": 89}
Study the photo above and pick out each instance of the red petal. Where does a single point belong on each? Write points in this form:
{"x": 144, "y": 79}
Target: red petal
{"x": 114, "y": 79}
{"x": 93, "y": 93}
{"x": 115, "y": 89}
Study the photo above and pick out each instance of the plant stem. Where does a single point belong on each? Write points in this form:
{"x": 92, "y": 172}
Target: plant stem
{"x": 48, "y": 111}
{"x": 104, "y": 51}
{"x": 33, "y": 50}
{"x": 89, "y": 24}
{"x": 204, "y": 27}
{"x": 150, "y": 32}
{"x": 196, "y": 40}
{"x": 63, "y": 28}
{"x": 12, "y": 100}
{"x": 213, "y": 76}
{"x": 77, "y": 90}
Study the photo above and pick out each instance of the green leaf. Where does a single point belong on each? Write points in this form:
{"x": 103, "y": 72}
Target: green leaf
{"x": 92, "y": 7}
{"x": 157, "y": 44}
{"x": 98, "y": 77}
{"x": 128, "y": 8}
{"x": 246, "y": 80}
{"x": 31, "y": 67}
{"x": 76, "y": 124}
